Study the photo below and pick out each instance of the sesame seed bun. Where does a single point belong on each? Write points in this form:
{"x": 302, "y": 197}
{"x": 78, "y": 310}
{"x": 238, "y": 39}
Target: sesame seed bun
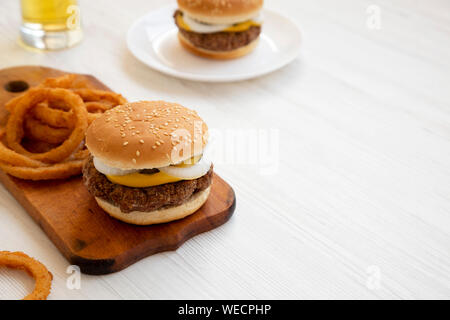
{"x": 220, "y": 55}
{"x": 221, "y": 11}
{"x": 146, "y": 135}
{"x": 157, "y": 216}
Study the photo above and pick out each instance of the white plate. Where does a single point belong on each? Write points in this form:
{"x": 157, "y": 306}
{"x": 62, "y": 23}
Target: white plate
{"x": 153, "y": 40}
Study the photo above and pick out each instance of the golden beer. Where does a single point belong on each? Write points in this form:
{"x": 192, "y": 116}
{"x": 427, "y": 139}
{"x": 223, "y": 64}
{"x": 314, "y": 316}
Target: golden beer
{"x": 50, "y": 24}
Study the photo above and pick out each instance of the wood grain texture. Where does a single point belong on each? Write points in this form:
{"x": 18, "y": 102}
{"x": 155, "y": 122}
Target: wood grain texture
{"x": 80, "y": 229}
{"x": 363, "y": 179}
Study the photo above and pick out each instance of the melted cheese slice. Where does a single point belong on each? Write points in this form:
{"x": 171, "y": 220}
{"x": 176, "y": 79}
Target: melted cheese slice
{"x": 242, "y": 26}
{"x": 142, "y": 180}
{"x": 190, "y": 25}
{"x": 181, "y": 23}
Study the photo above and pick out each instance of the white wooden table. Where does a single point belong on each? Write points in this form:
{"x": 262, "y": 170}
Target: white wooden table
{"x": 358, "y": 205}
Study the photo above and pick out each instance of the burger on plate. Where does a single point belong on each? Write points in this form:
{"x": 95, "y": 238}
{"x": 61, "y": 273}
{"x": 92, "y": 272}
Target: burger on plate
{"x": 147, "y": 164}
{"x": 219, "y": 29}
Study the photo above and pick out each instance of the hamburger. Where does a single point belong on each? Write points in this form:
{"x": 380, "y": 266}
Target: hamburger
{"x": 219, "y": 29}
{"x": 147, "y": 164}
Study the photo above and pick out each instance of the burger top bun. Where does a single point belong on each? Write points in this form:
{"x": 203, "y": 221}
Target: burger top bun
{"x": 221, "y": 11}
{"x": 146, "y": 135}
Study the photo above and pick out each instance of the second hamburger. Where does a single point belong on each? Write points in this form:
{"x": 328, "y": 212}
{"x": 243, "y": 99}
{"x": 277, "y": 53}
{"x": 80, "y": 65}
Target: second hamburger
{"x": 219, "y": 29}
{"x": 147, "y": 164}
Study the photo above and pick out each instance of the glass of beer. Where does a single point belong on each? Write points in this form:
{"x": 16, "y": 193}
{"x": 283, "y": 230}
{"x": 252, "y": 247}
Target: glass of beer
{"x": 50, "y": 24}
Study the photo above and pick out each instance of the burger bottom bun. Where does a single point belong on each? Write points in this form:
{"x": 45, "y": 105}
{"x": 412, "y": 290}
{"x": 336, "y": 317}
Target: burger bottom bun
{"x": 220, "y": 55}
{"x": 157, "y": 216}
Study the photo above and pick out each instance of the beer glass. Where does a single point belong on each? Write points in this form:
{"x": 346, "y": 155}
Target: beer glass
{"x": 50, "y": 24}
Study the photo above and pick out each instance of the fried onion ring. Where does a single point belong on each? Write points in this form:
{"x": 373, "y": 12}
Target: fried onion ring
{"x": 37, "y": 130}
{"x": 96, "y": 107}
{"x": 23, "y": 167}
{"x": 61, "y": 170}
{"x": 11, "y": 103}
{"x": 68, "y": 81}
{"x": 43, "y": 278}
{"x": 60, "y": 118}
{"x": 53, "y": 117}
{"x": 96, "y": 95}
{"x": 10, "y": 156}
{"x": 31, "y": 99}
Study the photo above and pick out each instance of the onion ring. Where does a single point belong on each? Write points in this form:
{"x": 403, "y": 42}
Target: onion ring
{"x": 37, "y": 130}
{"x": 68, "y": 81}
{"x": 11, "y": 103}
{"x": 54, "y": 117}
{"x": 96, "y": 95}
{"x": 64, "y": 119}
{"x": 51, "y": 116}
{"x": 58, "y": 118}
{"x": 43, "y": 278}
{"x": 12, "y": 157}
{"x": 25, "y": 168}
{"x": 96, "y": 107}
{"x": 30, "y": 99}
{"x": 81, "y": 154}
{"x": 61, "y": 170}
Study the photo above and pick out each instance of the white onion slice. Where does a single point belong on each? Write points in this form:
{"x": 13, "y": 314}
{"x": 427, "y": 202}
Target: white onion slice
{"x": 259, "y": 18}
{"x": 199, "y": 27}
{"x": 107, "y": 170}
{"x": 203, "y": 28}
{"x": 189, "y": 173}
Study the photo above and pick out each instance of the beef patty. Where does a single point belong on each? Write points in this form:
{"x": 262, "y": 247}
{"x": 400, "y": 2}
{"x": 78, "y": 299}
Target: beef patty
{"x": 220, "y": 41}
{"x": 142, "y": 199}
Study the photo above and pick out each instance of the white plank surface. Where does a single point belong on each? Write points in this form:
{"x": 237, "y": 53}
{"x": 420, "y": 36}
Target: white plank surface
{"x": 359, "y": 206}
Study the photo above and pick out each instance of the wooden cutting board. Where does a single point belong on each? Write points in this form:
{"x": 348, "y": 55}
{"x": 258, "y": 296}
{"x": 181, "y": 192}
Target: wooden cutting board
{"x": 83, "y": 232}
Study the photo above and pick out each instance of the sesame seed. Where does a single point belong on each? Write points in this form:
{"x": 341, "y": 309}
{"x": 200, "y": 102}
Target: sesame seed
{"x": 153, "y": 147}
{"x": 158, "y": 143}
{"x": 134, "y": 160}
{"x": 141, "y": 141}
{"x": 138, "y": 153}
{"x": 125, "y": 143}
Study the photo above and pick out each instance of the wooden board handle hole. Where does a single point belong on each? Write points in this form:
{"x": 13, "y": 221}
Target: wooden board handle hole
{"x": 16, "y": 86}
